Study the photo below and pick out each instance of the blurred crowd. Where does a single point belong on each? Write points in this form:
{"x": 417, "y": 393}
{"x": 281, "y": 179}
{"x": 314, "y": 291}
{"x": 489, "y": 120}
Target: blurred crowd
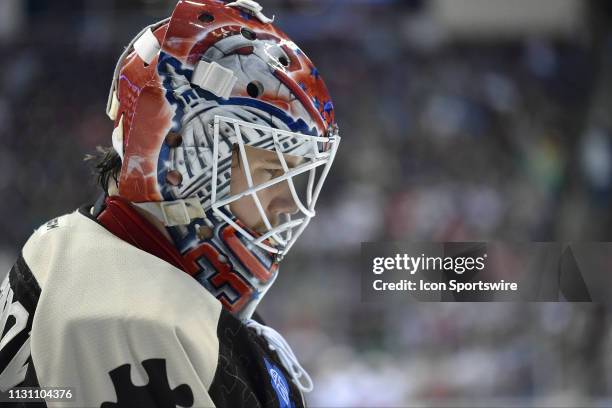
{"x": 442, "y": 141}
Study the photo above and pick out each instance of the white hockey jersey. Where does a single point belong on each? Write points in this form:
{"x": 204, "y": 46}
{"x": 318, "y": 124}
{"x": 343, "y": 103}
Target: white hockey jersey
{"x": 83, "y": 309}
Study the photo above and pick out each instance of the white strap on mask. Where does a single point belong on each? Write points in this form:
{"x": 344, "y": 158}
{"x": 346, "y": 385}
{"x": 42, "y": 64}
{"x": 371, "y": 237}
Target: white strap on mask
{"x": 118, "y": 138}
{"x": 114, "y": 107}
{"x": 214, "y": 78}
{"x": 253, "y": 8}
{"x": 277, "y": 343}
{"x": 112, "y": 93}
{"x": 174, "y": 213}
{"x": 147, "y": 46}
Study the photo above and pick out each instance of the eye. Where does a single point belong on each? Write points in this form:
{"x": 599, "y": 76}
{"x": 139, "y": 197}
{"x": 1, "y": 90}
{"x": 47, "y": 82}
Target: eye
{"x": 274, "y": 172}
{"x": 271, "y": 173}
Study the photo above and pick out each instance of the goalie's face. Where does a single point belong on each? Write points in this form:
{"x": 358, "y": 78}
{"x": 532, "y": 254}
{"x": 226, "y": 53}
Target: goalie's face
{"x": 276, "y": 200}
{"x": 274, "y": 183}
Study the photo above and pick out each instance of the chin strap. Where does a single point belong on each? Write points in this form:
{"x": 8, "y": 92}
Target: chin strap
{"x": 277, "y": 343}
{"x": 174, "y": 213}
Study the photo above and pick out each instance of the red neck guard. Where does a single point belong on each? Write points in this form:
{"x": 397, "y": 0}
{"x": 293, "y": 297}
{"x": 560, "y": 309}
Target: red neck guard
{"x": 120, "y": 218}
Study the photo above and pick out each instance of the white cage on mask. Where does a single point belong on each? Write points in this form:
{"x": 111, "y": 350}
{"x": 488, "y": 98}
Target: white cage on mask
{"x": 317, "y": 153}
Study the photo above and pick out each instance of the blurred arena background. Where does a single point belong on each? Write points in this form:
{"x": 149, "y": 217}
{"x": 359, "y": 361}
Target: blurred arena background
{"x": 461, "y": 120}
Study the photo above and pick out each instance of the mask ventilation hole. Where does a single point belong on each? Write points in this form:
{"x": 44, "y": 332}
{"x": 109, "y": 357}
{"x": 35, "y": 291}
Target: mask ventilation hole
{"x": 255, "y": 89}
{"x": 174, "y": 178}
{"x": 284, "y": 61}
{"x": 174, "y": 139}
{"x": 248, "y": 34}
{"x": 206, "y": 18}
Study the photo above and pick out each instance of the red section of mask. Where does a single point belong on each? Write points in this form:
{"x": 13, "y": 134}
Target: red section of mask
{"x": 225, "y": 275}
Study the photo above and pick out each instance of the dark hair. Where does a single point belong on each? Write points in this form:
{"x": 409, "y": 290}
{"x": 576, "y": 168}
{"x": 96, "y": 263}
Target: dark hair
{"x": 106, "y": 163}
{"x": 236, "y": 157}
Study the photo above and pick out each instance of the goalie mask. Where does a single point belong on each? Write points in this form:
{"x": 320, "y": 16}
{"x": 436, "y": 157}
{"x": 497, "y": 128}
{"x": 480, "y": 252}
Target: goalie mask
{"x": 226, "y": 133}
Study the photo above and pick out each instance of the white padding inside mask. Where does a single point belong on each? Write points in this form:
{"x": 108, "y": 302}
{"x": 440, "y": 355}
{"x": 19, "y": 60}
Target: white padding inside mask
{"x": 114, "y": 107}
{"x": 147, "y": 46}
{"x": 118, "y": 138}
{"x": 214, "y": 78}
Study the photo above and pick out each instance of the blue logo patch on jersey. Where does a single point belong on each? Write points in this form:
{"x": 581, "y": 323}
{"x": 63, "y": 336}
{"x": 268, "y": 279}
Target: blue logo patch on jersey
{"x": 280, "y": 385}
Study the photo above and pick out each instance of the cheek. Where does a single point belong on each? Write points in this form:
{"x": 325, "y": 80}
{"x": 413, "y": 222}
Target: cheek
{"x": 264, "y": 197}
{"x": 245, "y": 210}
{"x": 240, "y": 208}
{"x": 237, "y": 181}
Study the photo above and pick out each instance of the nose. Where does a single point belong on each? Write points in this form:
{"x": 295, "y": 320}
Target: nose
{"x": 281, "y": 202}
